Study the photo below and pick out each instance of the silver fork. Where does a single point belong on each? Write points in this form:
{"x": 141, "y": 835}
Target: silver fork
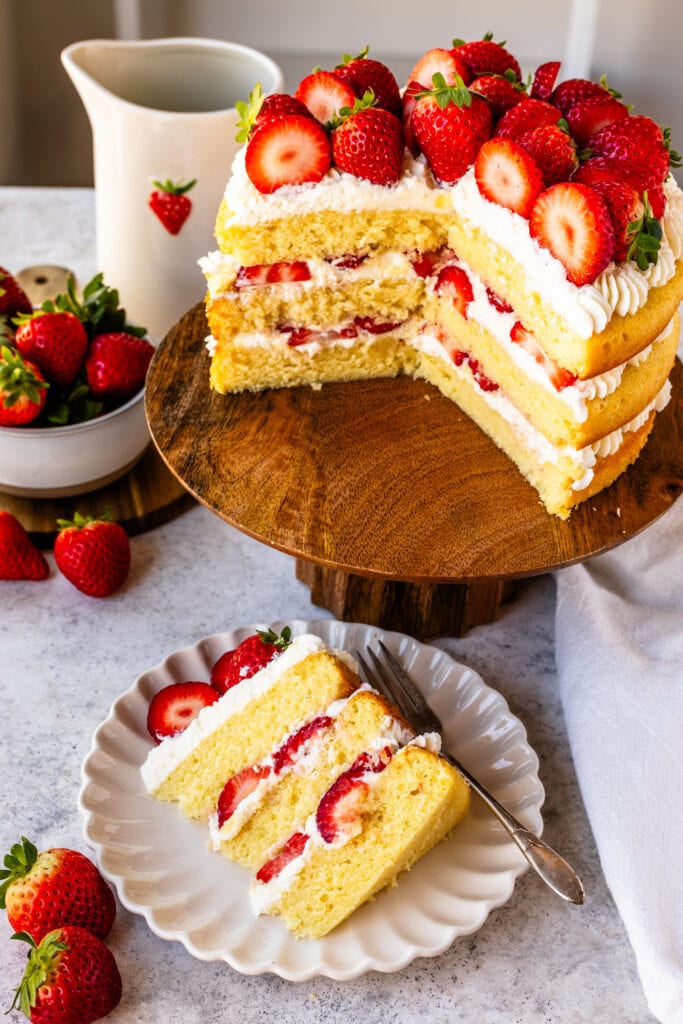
{"x": 391, "y": 679}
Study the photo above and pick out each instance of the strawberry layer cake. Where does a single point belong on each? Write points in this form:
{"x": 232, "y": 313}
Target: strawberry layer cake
{"x": 518, "y": 246}
{"x": 304, "y": 774}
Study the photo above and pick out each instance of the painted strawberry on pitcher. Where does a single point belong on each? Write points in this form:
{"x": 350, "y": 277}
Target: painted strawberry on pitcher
{"x": 171, "y": 203}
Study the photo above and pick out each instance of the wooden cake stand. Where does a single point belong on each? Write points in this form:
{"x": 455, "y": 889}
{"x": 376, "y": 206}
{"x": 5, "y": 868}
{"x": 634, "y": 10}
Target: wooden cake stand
{"x": 399, "y": 511}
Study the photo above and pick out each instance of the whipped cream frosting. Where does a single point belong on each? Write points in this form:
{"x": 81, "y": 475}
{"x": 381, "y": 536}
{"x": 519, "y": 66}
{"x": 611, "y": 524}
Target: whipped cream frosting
{"x": 165, "y": 758}
{"x": 416, "y": 190}
{"x": 584, "y": 459}
{"x": 620, "y": 289}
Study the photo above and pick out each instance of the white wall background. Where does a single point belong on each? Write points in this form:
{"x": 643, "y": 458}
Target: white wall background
{"x": 45, "y": 137}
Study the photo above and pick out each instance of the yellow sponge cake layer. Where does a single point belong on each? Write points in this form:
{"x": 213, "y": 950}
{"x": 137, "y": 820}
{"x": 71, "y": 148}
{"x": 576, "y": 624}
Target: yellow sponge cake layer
{"x": 288, "y": 797}
{"x": 587, "y": 330}
{"x": 413, "y": 804}
{"x": 246, "y": 725}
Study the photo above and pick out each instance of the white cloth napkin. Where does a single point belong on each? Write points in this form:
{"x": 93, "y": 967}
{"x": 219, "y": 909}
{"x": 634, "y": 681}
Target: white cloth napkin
{"x": 619, "y": 652}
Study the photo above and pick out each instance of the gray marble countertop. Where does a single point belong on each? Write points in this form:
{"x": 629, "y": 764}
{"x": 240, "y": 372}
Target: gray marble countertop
{"x": 64, "y": 658}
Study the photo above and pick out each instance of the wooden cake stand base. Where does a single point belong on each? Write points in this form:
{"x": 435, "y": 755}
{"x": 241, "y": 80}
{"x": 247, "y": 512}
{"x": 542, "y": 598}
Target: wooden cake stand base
{"x": 398, "y": 510}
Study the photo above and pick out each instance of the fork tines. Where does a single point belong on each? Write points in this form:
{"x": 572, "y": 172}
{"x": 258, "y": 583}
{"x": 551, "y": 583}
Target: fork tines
{"x": 389, "y": 677}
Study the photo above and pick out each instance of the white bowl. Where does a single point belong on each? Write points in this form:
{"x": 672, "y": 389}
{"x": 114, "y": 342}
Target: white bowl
{"x": 56, "y": 462}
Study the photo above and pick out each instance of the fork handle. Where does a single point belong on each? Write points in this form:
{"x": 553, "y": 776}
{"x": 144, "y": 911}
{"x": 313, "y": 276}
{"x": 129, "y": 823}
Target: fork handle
{"x": 546, "y": 862}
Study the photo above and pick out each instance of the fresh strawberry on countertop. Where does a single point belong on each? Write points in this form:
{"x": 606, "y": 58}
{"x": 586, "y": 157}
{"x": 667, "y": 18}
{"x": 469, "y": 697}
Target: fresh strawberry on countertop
{"x": 572, "y": 221}
{"x": 251, "y": 655}
{"x": 508, "y": 175}
{"x": 291, "y": 150}
{"x": 70, "y": 976}
{"x": 450, "y": 124}
{"x": 93, "y": 553}
{"x": 55, "y": 341}
{"x": 324, "y": 93}
{"x": 20, "y": 559}
{"x": 171, "y": 204}
{"x": 484, "y": 56}
{"x": 23, "y": 389}
{"x": 173, "y": 708}
{"x": 363, "y": 73}
{"x": 368, "y": 142}
{"x": 13, "y": 298}
{"x": 42, "y": 891}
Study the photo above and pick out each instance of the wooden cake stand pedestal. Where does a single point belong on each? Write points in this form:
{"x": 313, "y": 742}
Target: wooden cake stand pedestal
{"x": 398, "y": 510}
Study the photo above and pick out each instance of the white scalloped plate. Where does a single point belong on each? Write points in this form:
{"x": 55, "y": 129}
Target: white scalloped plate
{"x": 162, "y": 868}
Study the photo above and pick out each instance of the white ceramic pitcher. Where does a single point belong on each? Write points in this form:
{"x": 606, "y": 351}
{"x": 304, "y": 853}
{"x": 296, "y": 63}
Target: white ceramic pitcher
{"x": 161, "y": 110}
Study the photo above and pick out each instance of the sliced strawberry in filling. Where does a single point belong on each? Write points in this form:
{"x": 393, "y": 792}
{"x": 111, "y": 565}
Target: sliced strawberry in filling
{"x": 237, "y": 788}
{"x": 292, "y": 849}
{"x": 559, "y": 377}
{"x": 340, "y": 810}
{"x": 366, "y": 323}
{"x": 454, "y": 282}
{"x": 272, "y": 273}
{"x": 291, "y": 748}
{"x": 348, "y": 262}
{"x": 498, "y": 302}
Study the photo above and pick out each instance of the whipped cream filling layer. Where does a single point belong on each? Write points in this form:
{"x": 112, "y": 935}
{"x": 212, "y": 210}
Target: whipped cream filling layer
{"x": 584, "y": 459}
{"x": 338, "y": 191}
{"x": 264, "y": 895}
{"x": 165, "y": 758}
{"x": 620, "y": 289}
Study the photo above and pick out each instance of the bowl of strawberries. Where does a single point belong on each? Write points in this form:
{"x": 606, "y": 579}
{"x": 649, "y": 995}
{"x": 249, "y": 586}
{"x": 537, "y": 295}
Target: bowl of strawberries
{"x": 72, "y": 376}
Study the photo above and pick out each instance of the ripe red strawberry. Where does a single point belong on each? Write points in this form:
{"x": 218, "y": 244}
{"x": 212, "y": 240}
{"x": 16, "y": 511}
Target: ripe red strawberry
{"x": 291, "y": 150}
{"x": 340, "y": 809}
{"x": 450, "y": 125}
{"x": 602, "y": 168}
{"x": 498, "y": 302}
{"x": 544, "y": 80}
{"x": 501, "y": 92}
{"x": 553, "y": 151}
{"x": 657, "y": 199}
{"x": 590, "y": 115}
{"x": 55, "y": 342}
{"x": 272, "y": 273}
{"x": 438, "y": 61}
{"x": 573, "y": 223}
{"x": 373, "y": 326}
{"x": 408, "y": 101}
{"x": 171, "y": 203}
{"x": 13, "y": 298}
{"x": 363, "y": 73}
{"x": 559, "y": 377}
{"x": 20, "y": 559}
{"x": 637, "y": 234}
{"x": 248, "y": 658}
{"x": 116, "y": 365}
{"x": 575, "y": 90}
{"x": 639, "y": 143}
{"x": 483, "y": 56}
{"x": 524, "y": 116}
{"x": 368, "y": 142}
{"x": 508, "y": 175}
{"x": 324, "y": 93}
{"x": 292, "y": 849}
{"x": 23, "y": 389}
{"x": 42, "y": 891}
{"x": 259, "y": 108}
{"x": 237, "y": 788}
{"x": 454, "y": 282}
{"x": 70, "y": 977}
{"x": 173, "y": 708}
{"x": 287, "y": 753}
{"x": 93, "y": 554}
